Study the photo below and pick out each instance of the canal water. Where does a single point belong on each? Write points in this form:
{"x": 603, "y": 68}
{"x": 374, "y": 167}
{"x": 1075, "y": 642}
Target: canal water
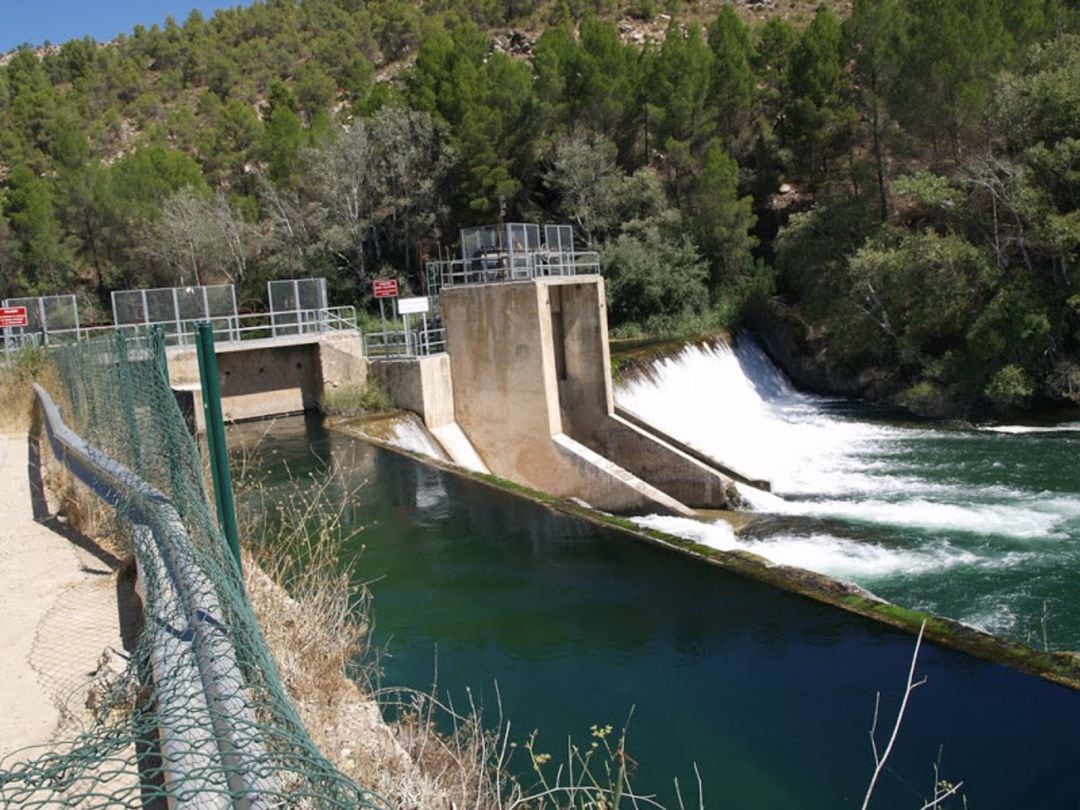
{"x": 770, "y": 695}
{"x": 978, "y": 524}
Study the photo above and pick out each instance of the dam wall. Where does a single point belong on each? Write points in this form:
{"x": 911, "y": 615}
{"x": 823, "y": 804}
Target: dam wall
{"x": 524, "y": 392}
{"x": 530, "y": 368}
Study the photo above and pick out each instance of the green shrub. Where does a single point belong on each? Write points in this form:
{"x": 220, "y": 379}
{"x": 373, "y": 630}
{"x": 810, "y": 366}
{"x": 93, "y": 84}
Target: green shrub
{"x": 354, "y": 399}
{"x": 926, "y": 399}
{"x": 1010, "y": 387}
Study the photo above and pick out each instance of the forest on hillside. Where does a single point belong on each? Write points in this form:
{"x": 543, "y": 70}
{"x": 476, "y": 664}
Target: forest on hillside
{"x": 896, "y": 185}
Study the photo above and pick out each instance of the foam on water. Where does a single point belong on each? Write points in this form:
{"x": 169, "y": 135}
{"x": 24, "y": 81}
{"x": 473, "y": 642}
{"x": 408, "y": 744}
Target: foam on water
{"x": 1023, "y": 519}
{"x": 409, "y": 434}
{"x": 1018, "y": 430}
{"x": 718, "y": 535}
{"x": 862, "y": 562}
{"x": 908, "y": 519}
{"x": 997, "y": 618}
{"x": 837, "y": 557}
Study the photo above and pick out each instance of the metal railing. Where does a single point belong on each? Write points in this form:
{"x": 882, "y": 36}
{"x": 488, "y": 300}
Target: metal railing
{"x": 497, "y": 266}
{"x": 405, "y": 342}
{"x": 252, "y": 326}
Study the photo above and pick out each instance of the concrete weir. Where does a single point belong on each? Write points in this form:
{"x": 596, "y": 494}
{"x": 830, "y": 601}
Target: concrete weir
{"x": 423, "y": 385}
{"x": 531, "y": 379}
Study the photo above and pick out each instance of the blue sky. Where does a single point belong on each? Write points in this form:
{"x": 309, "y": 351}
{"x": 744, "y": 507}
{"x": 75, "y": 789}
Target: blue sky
{"x": 35, "y": 21}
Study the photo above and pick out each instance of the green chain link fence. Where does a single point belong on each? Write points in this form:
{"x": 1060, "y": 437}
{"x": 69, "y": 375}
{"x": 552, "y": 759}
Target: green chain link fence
{"x": 199, "y": 719}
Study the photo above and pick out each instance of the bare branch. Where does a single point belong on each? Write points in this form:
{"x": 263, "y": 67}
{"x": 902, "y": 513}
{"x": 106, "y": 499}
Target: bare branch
{"x": 912, "y": 685}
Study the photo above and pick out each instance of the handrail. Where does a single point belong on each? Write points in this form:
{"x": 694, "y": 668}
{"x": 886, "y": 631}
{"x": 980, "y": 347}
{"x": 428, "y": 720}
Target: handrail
{"x": 405, "y": 343}
{"x": 248, "y": 326}
{"x": 207, "y": 728}
{"x": 521, "y": 267}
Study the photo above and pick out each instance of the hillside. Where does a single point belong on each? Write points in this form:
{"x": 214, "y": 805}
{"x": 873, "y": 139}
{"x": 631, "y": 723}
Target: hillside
{"x": 888, "y": 189}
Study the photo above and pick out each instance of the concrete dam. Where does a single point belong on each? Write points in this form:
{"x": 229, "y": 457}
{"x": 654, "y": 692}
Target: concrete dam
{"x": 523, "y": 391}
{"x": 525, "y": 388}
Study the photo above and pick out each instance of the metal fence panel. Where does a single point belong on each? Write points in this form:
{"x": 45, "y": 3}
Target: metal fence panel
{"x": 297, "y": 305}
{"x": 177, "y": 309}
{"x": 50, "y": 320}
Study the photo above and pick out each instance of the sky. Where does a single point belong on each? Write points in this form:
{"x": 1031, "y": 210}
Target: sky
{"x": 35, "y": 21}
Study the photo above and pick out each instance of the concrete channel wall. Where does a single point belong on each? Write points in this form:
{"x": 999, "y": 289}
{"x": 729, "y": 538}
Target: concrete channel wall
{"x": 424, "y": 385}
{"x": 419, "y": 384}
{"x": 263, "y": 378}
{"x": 583, "y": 369}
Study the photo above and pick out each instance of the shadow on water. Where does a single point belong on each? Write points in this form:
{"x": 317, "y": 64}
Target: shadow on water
{"x": 770, "y": 694}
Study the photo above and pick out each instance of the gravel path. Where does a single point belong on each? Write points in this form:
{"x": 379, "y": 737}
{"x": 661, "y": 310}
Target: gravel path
{"x": 58, "y": 615}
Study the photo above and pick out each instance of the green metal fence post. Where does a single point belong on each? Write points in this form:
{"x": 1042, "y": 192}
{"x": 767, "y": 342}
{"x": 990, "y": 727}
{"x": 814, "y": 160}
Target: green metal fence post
{"x": 215, "y": 436}
{"x": 127, "y": 400}
{"x": 172, "y": 447}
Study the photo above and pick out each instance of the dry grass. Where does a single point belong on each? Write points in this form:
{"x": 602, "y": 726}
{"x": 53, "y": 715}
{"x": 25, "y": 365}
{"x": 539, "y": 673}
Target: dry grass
{"x": 72, "y": 503}
{"x": 77, "y": 506}
{"x": 18, "y": 373}
{"x": 315, "y": 620}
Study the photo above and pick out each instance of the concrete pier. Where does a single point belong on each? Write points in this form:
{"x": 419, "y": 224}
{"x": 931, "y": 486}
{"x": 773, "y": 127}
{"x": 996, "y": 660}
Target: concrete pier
{"x": 531, "y": 374}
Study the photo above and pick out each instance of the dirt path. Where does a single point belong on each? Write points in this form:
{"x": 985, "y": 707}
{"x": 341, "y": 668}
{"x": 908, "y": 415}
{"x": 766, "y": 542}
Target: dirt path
{"x": 58, "y": 614}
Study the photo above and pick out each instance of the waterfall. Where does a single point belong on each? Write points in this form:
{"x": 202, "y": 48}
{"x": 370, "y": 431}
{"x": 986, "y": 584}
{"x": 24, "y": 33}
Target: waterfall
{"x": 896, "y": 508}
{"x": 735, "y": 405}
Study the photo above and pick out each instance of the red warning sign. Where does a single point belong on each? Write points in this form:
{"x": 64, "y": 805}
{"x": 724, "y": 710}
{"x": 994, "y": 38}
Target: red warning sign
{"x": 384, "y": 287}
{"x": 12, "y": 316}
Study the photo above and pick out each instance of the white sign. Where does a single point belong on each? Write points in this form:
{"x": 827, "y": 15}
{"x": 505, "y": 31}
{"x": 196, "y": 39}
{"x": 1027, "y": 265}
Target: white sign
{"x": 413, "y": 306}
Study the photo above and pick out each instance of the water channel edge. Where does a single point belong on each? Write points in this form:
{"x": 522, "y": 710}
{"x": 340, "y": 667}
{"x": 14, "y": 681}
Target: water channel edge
{"x": 1062, "y": 668}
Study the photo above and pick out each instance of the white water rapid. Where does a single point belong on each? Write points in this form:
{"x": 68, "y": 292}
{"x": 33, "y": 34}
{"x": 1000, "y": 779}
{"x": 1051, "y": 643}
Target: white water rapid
{"x": 878, "y": 503}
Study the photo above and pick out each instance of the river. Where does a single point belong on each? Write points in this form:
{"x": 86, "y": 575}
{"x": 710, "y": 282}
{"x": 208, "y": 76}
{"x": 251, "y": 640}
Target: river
{"x": 771, "y": 695}
{"x": 978, "y": 524}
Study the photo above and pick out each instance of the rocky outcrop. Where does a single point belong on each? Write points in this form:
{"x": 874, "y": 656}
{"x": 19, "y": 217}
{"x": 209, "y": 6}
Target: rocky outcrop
{"x": 802, "y": 353}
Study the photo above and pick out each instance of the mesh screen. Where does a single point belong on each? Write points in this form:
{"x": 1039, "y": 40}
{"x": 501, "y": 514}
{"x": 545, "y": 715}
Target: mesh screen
{"x": 50, "y": 316}
{"x": 297, "y": 305}
{"x": 176, "y": 309}
{"x": 199, "y": 718}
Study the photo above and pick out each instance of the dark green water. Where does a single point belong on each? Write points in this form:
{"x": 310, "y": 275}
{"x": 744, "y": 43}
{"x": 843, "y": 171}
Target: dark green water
{"x": 770, "y": 694}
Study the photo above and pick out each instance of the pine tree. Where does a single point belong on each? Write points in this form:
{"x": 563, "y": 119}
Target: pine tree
{"x": 680, "y": 87}
{"x": 721, "y": 220}
{"x": 732, "y": 88}
{"x": 875, "y": 33}
{"x": 819, "y": 115}
{"x": 45, "y": 259}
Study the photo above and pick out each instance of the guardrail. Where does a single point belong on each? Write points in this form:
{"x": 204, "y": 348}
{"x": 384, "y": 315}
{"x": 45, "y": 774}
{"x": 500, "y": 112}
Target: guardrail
{"x": 209, "y": 743}
{"x": 493, "y": 268}
{"x": 405, "y": 343}
{"x": 252, "y": 326}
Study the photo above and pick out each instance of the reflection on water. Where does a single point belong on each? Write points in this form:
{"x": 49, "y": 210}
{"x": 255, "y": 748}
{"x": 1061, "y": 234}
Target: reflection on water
{"x": 770, "y": 694}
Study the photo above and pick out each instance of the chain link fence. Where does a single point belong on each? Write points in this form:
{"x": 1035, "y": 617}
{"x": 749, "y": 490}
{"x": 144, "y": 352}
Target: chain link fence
{"x": 199, "y": 718}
